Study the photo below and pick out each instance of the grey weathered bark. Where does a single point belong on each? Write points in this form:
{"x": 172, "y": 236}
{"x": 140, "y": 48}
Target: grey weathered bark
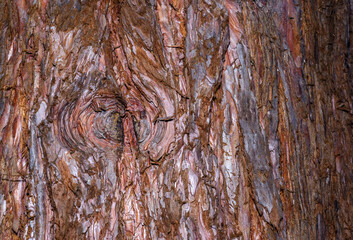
{"x": 176, "y": 119}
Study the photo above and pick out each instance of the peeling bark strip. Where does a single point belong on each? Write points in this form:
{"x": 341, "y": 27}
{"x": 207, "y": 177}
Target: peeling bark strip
{"x": 176, "y": 119}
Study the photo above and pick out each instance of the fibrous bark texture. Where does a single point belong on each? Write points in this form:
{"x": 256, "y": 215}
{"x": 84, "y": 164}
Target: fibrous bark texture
{"x": 167, "y": 119}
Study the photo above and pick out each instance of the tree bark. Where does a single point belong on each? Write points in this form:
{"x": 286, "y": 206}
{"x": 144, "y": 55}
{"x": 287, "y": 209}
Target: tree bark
{"x": 167, "y": 119}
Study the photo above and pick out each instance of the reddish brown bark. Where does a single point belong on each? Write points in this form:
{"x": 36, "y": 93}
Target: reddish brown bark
{"x": 176, "y": 119}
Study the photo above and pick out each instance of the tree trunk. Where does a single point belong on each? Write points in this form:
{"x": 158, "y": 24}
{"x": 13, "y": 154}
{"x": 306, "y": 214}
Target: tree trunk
{"x": 167, "y": 119}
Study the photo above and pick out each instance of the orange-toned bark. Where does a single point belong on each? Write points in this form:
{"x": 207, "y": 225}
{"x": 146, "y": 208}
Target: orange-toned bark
{"x": 176, "y": 119}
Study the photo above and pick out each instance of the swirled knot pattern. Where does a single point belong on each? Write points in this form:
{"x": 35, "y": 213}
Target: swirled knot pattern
{"x": 92, "y": 122}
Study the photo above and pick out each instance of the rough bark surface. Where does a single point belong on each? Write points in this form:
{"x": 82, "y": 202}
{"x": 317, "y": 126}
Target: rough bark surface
{"x": 168, "y": 119}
